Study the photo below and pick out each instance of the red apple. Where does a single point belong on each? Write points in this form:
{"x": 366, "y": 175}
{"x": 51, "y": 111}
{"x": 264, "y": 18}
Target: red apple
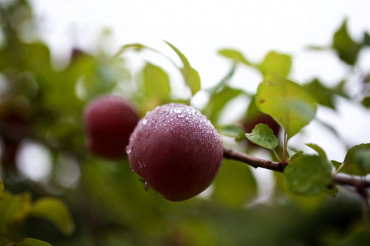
{"x": 176, "y": 150}
{"x": 109, "y": 121}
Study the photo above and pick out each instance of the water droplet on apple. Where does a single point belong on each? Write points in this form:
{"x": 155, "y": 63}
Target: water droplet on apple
{"x": 128, "y": 149}
{"x": 177, "y": 110}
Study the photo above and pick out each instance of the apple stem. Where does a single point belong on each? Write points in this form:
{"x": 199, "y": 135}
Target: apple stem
{"x": 339, "y": 168}
{"x": 276, "y": 155}
{"x": 285, "y": 149}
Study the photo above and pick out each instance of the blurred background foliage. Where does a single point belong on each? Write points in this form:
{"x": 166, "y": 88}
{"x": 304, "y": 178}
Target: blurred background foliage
{"x": 57, "y": 192}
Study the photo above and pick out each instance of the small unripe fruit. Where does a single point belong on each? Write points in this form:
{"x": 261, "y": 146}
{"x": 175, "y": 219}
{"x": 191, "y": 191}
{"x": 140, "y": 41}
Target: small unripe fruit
{"x": 109, "y": 122}
{"x": 176, "y": 150}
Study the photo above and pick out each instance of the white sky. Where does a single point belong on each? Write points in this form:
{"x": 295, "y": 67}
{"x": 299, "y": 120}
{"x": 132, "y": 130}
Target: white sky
{"x": 200, "y": 27}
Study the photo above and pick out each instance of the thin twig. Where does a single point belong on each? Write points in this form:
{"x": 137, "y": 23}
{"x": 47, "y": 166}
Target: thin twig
{"x": 276, "y": 155}
{"x": 339, "y": 168}
{"x": 359, "y": 184}
{"x": 253, "y": 161}
{"x": 285, "y": 148}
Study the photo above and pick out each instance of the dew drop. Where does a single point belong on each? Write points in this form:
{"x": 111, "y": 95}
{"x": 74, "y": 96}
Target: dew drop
{"x": 141, "y": 164}
{"x": 144, "y": 122}
{"x": 128, "y": 149}
{"x": 177, "y": 110}
{"x": 181, "y": 115}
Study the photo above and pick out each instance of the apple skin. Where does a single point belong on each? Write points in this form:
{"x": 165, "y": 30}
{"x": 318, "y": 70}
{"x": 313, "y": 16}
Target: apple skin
{"x": 109, "y": 122}
{"x": 176, "y": 150}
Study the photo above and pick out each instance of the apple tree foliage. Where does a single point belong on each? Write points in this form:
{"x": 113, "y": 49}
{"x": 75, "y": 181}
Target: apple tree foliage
{"x": 313, "y": 200}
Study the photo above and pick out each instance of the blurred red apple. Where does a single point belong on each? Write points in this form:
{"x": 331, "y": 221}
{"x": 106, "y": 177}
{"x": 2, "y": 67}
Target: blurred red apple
{"x": 109, "y": 121}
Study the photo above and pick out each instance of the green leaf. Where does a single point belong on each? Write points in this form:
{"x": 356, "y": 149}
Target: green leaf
{"x": 101, "y": 76}
{"x": 1, "y": 188}
{"x": 346, "y": 48}
{"x": 341, "y": 90}
{"x": 366, "y": 79}
{"x": 32, "y": 242}
{"x": 4, "y": 241}
{"x": 366, "y": 40}
{"x": 235, "y": 184}
{"x": 234, "y": 55}
{"x": 218, "y": 101}
{"x": 263, "y": 136}
{"x": 13, "y": 209}
{"x": 252, "y": 110}
{"x": 308, "y": 175}
{"x": 336, "y": 164}
{"x": 366, "y": 102}
{"x": 287, "y": 102}
{"x": 55, "y": 211}
{"x": 233, "y": 131}
{"x": 356, "y": 161}
{"x": 276, "y": 64}
{"x": 323, "y": 95}
{"x": 136, "y": 47}
{"x": 37, "y": 58}
{"x": 295, "y": 154}
{"x": 189, "y": 74}
{"x": 332, "y": 191}
{"x": 318, "y": 149}
{"x": 156, "y": 82}
{"x": 254, "y": 116}
{"x": 317, "y": 48}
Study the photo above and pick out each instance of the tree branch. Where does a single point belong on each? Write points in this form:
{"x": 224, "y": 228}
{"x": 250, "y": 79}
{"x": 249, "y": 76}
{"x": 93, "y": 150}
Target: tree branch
{"x": 359, "y": 184}
{"x": 253, "y": 161}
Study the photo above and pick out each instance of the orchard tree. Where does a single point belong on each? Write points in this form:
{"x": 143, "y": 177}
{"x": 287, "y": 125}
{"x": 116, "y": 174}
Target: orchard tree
{"x": 130, "y": 161}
